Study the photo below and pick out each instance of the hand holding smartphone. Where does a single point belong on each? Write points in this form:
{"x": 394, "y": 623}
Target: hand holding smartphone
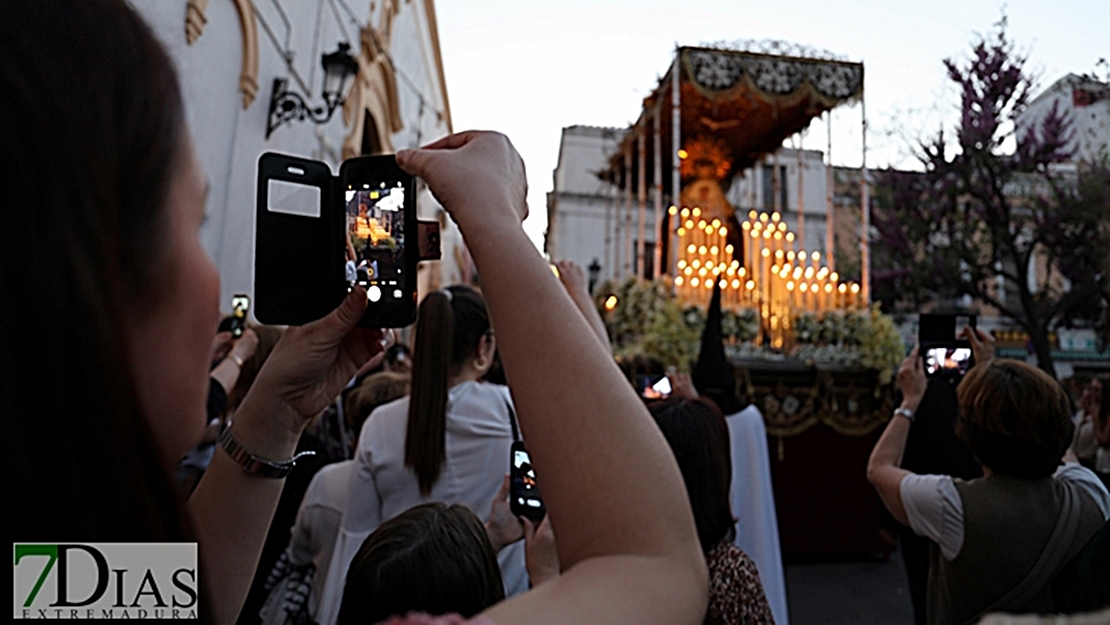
{"x": 318, "y": 236}
{"x": 524, "y": 492}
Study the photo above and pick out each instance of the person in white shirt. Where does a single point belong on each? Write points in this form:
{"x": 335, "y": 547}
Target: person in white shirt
{"x": 1000, "y": 538}
{"x": 448, "y": 442}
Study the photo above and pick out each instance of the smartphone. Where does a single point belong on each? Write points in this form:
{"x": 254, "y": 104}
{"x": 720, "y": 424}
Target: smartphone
{"x": 655, "y": 387}
{"x": 942, "y": 352}
{"x": 379, "y": 202}
{"x": 240, "y": 305}
{"x": 524, "y": 492}
{"x": 318, "y": 235}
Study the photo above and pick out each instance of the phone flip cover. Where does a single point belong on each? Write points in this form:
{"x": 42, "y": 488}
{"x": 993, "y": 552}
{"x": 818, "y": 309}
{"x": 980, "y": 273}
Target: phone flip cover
{"x": 297, "y": 241}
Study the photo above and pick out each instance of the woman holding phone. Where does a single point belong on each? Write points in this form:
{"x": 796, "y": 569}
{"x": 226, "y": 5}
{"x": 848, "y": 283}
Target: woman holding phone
{"x": 110, "y": 294}
{"x": 1000, "y": 538}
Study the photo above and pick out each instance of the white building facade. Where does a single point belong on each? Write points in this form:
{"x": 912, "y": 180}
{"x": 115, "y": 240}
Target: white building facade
{"x": 1083, "y": 100}
{"x": 229, "y": 52}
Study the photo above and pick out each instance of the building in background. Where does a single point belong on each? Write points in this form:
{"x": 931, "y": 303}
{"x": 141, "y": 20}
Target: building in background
{"x": 584, "y": 217}
{"x": 228, "y": 55}
{"x": 1086, "y": 101}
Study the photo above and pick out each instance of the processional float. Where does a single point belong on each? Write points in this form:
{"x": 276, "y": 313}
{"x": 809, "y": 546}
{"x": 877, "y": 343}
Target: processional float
{"x": 719, "y": 111}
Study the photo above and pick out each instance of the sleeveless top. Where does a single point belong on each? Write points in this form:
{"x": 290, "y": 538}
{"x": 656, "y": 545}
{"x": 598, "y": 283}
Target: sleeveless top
{"x": 1007, "y": 523}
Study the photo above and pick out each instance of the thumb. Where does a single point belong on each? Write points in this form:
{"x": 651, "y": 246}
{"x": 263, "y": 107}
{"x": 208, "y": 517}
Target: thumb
{"x": 529, "y": 529}
{"x": 343, "y": 319}
{"x": 415, "y": 162}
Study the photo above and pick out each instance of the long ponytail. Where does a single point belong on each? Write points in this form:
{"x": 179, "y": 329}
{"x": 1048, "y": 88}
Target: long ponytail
{"x": 449, "y": 326}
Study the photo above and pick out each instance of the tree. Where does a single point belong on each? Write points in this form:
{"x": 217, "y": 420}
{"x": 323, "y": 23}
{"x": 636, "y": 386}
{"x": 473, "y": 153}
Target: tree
{"x": 994, "y": 203}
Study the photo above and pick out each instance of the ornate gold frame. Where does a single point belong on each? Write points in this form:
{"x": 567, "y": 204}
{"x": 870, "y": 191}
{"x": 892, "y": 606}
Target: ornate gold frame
{"x": 195, "y": 21}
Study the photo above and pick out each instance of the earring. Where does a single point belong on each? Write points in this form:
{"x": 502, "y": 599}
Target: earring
{"x": 479, "y": 363}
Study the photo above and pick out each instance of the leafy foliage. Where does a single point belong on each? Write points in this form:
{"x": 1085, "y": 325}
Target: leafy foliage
{"x": 647, "y": 322}
{"x": 867, "y": 339}
{"x": 994, "y": 203}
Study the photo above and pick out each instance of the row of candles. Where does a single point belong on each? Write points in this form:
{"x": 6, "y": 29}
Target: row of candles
{"x": 773, "y": 276}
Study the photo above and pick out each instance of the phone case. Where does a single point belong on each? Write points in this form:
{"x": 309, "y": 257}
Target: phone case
{"x": 298, "y": 261}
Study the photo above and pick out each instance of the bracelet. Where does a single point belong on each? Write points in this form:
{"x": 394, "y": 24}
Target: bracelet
{"x": 904, "y": 412}
{"x": 236, "y": 359}
{"x": 253, "y": 464}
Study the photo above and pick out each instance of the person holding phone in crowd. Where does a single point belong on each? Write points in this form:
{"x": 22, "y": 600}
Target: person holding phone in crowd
{"x": 448, "y": 442}
{"x": 104, "y": 199}
{"x": 1000, "y": 538}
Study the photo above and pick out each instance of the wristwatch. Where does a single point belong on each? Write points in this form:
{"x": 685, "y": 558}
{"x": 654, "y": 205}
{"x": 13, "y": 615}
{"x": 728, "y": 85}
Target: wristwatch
{"x": 904, "y": 412}
{"x": 253, "y": 464}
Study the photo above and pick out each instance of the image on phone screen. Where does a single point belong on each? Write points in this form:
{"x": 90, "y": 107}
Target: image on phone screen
{"x": 375, "y": 254}
{"x": 947, "y": 360}
{"x": 240, "y": 304}
{"x": 656, "y": 388}
{"x": 524, "y": 495}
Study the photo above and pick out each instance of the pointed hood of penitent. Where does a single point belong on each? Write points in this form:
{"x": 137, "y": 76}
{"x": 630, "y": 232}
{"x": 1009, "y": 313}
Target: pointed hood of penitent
{"x": 713, "y": 374}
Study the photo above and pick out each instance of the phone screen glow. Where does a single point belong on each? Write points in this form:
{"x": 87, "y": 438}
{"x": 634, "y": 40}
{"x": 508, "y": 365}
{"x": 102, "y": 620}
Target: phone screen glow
{"x": 955, "y": 359}
{"x": 375, "y": 246}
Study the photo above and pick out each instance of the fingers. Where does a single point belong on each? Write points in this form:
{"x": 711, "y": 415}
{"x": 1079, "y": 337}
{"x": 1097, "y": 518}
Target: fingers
{"x": 529, "y": 529}
{"x": 503, "y": 492}
{"x": 419, "y": 161}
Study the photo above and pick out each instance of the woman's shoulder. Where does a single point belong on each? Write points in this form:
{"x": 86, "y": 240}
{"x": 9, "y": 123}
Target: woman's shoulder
{"x": 481, "y": 390}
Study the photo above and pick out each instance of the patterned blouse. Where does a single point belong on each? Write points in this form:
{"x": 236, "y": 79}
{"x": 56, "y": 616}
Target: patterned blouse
{"x": 735, "y": 593}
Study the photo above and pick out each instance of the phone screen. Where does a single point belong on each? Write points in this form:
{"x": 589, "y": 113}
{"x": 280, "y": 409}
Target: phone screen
{"x": 375, "y": 254}
{"x": 947, "y": 360}
{"x": 653, "y": 388}
{"x": 240, "y": 304}
{"x": 524, "y": 496}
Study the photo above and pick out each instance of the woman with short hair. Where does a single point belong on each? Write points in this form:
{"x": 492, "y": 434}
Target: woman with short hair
{"x": 1000, "y": 538}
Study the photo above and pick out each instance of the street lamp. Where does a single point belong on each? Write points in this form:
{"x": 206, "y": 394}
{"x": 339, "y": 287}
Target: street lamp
{"x": 340, "y": 69}
{"x": 595, "y": 270}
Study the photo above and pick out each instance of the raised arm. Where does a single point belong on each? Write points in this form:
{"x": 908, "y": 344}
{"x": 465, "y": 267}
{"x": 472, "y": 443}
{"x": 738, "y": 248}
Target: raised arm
{"x": 574, "y": 280}
{"x": 884, "y": 468}
{"x": 627, "y": 541}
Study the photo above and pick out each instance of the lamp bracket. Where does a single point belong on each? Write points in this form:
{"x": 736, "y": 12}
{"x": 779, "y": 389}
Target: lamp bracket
{"x": 287, "y": 105}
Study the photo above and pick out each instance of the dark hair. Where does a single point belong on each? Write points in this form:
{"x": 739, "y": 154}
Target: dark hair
{"x": 92, "y": 131}
{"x": 698, "y": 436}
{"x": 375, "y": 390}
{"x": 1015, "y": 418}
{"x": 431, "y": 558}
{"x": 448, "y": 331}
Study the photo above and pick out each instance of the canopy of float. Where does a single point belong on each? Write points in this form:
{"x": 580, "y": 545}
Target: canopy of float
{"x": 749, "y": 102}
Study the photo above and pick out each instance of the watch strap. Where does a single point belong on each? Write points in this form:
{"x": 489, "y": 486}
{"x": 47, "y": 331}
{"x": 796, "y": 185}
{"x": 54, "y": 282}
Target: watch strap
{"x": 904, "y": 412}
{"x": 253, "y": 464}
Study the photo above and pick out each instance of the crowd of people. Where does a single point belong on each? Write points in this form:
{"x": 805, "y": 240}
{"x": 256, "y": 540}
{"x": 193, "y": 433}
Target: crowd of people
{"x": 158, "y": 429}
